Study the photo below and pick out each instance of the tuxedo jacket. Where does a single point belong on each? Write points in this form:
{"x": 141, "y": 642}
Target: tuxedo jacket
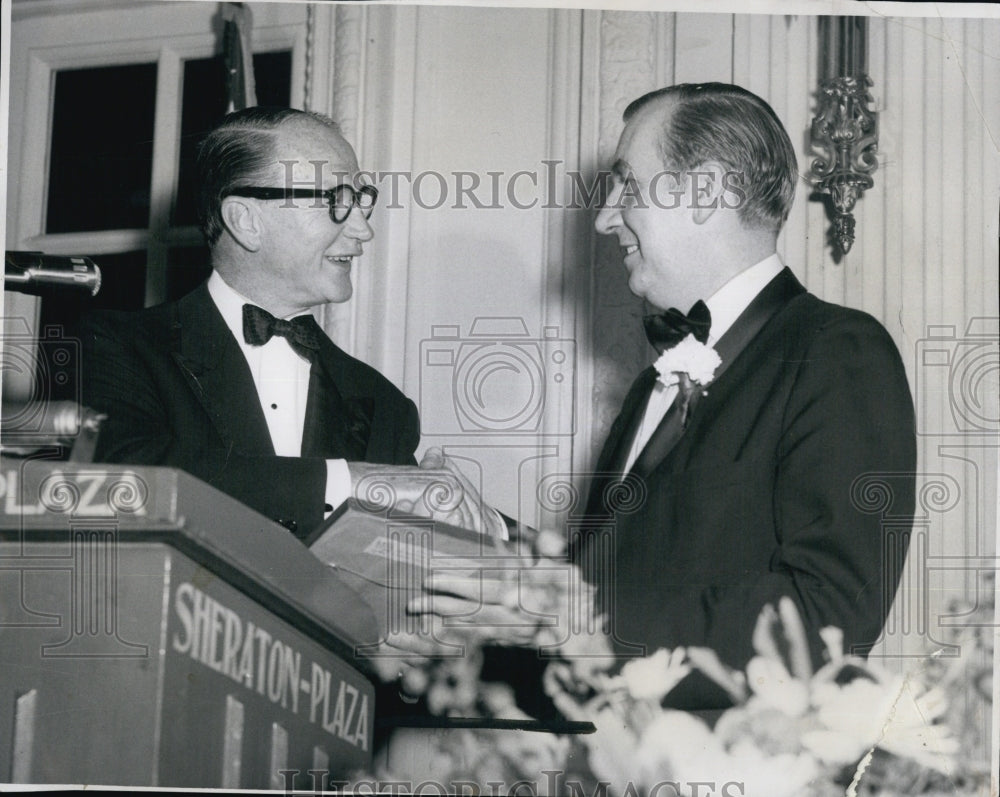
{"x": 177, "y": 391}
{"x": 766, "y": 493}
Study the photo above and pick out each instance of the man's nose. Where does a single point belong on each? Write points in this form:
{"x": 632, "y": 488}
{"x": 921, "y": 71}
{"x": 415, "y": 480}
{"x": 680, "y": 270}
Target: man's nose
{"x": 609, "y": 217}
{"x": 358, "y": 226}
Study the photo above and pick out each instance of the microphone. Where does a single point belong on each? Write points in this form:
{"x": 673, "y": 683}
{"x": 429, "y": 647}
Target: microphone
{"x": 43, "y": 419}
{"x": 31, "y": 425}
{"x": 38, "y": 274}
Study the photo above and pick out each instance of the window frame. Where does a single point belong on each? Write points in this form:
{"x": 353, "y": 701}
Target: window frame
{"x": 44, "y": 44}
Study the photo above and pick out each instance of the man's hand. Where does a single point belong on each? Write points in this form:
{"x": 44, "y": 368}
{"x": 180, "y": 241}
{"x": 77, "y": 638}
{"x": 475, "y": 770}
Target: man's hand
{"x": 437, "y": 490}
{"x": 407, "y": 657}
{"x": 528, "y": 602}
{"x": 482, "y": 606}
{"x": 485, "y": 519}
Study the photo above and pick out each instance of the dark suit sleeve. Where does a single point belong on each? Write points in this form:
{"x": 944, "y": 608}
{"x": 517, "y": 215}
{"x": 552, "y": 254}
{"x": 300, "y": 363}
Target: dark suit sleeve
{"x": 849, "y": 421}
{"x": 848, "y": 413}
{"x": 399, "y": 414}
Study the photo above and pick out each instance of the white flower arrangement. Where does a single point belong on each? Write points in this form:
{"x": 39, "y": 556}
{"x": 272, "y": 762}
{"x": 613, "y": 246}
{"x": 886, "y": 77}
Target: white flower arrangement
{"x": 850, "y": 727}
{"x": 653, "y": 677}
{"x": 792, "y": 732}
{"x": 690, "y": 357}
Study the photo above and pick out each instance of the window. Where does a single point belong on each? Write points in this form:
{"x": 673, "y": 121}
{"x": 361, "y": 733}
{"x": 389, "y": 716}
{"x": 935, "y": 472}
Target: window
{"x": 107, "y": 107}
{"x": 101, "y": 165}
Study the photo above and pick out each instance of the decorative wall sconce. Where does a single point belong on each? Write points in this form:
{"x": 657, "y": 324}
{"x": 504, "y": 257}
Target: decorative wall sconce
{"x": 844, "y": 132}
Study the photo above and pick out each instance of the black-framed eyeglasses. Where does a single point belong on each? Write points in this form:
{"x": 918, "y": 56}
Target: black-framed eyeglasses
{"x": 341, "y": 199}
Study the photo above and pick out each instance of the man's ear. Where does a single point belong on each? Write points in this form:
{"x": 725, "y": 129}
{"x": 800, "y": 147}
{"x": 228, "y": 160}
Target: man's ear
{"x": 243, "y": 222}
{"x": 707, "y": 184}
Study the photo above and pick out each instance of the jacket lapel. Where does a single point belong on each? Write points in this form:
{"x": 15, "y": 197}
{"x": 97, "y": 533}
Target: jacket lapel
{"x": 631, "y": 417}
{"x": 775, "y": 295}
{"x": 611, "y": 462}
{"x": 211, "y": 360}
{"x": 335, "y": 426}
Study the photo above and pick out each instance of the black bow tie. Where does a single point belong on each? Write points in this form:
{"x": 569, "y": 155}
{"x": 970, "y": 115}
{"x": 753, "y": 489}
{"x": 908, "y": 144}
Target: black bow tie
{"x": 302, "y": 333}
{"x": 666, "y": 330}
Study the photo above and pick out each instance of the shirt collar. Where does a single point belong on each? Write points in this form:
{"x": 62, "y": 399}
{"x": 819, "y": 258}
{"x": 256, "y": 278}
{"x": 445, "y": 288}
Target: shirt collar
{"x": 230, "y": 303}
{"x": 727, "y": 303}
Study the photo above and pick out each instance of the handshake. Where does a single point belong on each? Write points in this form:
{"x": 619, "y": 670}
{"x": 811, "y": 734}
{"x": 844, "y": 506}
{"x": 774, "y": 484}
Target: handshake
{"x": 437, "y": 489}
{"x": 526, "y": 594}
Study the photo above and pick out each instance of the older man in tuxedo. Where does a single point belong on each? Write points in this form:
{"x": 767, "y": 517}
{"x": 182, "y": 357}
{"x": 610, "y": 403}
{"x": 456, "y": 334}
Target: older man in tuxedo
{"x": 236, "y": 383}
{"x": 741, "y": 456}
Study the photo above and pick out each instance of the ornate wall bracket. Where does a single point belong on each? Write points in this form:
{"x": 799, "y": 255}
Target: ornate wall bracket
{"x": 844, "y": 133}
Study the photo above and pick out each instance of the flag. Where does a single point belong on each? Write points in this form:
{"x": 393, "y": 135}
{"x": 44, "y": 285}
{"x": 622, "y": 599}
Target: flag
{"x": 238, "y": 56}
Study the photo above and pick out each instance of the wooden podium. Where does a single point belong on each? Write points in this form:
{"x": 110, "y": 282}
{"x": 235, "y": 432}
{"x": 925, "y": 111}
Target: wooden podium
{"x": 155, "y": 632}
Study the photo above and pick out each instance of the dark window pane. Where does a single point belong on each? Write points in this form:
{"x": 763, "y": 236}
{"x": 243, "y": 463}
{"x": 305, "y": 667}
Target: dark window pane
{"x": 101, "y": 159}
{"x": 187, "y": 268}
{"x": 204, "y": 104}
{"x": 123, "y": 285}
{"x": 272, "y": 74}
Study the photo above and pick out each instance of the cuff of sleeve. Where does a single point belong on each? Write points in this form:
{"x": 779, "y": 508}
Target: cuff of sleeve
{"x": 338, "y": 484}
{"x": 501, "y": 523}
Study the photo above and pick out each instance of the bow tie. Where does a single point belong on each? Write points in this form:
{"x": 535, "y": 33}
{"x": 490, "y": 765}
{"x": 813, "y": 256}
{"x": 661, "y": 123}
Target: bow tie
{"x": 302, "y": 333}
{"x": 666, "y": 330}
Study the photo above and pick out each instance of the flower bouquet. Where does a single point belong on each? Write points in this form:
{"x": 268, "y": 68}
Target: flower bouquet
{"x": 851, "y": 727}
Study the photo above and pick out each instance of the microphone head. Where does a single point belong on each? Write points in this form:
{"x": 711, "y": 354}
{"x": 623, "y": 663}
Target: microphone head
{"x": 39, "y": 274}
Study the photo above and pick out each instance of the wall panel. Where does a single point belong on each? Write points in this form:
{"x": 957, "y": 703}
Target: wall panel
{"x": 468, "y": 237}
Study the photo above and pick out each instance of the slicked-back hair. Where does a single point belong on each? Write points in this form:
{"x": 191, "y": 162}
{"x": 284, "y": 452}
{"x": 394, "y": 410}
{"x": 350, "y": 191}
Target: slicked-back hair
{"x": 729, "y": 125}
{"x": 239, "y": 151}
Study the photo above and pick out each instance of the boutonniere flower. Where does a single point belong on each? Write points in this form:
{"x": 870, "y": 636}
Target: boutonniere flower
{"x": 690, "y": 361}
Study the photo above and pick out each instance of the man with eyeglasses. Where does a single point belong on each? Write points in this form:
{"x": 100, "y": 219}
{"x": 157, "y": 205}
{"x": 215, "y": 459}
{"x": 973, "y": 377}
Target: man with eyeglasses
{"x": 236, "y": 383}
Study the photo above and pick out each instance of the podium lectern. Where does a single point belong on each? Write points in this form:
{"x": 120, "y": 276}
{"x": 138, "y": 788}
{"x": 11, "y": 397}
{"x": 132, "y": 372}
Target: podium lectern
{"x": 155, "y": 632}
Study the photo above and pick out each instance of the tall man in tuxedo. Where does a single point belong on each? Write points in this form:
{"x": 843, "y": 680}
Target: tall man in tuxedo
{"x": 742, "y": 470}
{"x": 236, "y": 383}
{"x": 750, "y": 478}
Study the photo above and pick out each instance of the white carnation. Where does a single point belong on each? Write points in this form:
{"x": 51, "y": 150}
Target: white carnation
{"x": 690, "y": 357}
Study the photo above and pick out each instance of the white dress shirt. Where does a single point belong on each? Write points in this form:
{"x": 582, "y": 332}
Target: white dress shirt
{"x": 282, "y": 379}
{"x": 725, "y": 305}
